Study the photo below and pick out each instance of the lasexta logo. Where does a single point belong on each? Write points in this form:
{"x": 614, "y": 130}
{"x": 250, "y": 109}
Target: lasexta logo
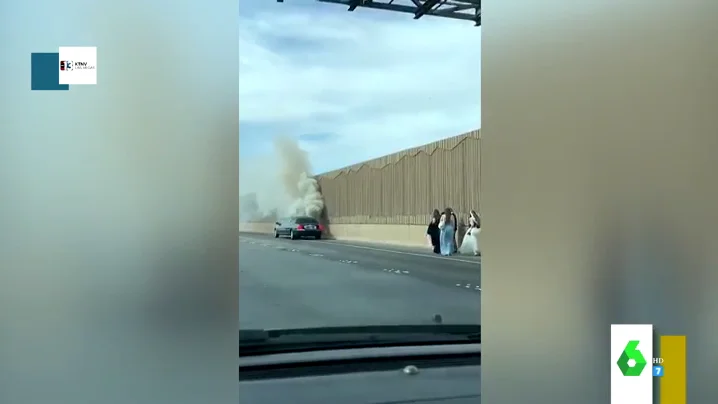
{"x": 631, "y": 362}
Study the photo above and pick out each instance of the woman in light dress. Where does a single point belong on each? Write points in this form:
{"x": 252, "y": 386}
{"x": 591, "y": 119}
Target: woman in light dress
{"x": 470, "y": 244}
{"x": 447, "y": 225}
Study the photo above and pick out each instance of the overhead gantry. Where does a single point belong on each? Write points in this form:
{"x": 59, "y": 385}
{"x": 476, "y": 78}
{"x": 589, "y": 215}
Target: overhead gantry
{"x": 467, "y": 10}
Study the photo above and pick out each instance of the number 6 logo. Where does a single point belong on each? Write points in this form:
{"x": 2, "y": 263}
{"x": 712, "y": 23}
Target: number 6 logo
{"x": 631, "y": 354}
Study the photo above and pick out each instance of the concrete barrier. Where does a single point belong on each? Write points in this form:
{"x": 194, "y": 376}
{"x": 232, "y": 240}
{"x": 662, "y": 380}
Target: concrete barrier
{"x": 404, "y": 235}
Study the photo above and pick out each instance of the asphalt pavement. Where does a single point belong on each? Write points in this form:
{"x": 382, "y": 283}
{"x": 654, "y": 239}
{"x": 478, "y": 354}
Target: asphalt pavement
{"x": 314, "y": 283}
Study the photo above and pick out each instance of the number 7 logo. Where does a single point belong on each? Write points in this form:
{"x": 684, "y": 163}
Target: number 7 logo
{"x": 658, "y": 371}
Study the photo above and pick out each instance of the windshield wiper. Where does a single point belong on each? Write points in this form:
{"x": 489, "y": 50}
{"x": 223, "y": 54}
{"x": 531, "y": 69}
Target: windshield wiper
{"x": 261, "y": 342}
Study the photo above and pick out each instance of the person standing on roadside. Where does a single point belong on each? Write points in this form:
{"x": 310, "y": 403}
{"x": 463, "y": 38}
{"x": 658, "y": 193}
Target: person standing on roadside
{"x": 455, "y": 237}
{"x": 447, "y": 225}
{"x": 433, "y": 231}
{"x": 470, "y": 243}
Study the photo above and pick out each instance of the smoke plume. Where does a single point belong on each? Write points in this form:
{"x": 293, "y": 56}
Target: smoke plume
{"x": 278, "y": 185}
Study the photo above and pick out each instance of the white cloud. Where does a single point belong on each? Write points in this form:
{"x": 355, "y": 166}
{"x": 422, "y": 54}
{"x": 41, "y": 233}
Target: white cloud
{"x": 379, "y": 84}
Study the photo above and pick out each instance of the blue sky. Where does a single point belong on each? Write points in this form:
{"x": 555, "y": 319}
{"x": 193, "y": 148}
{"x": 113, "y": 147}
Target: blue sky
{"x": 352, "y": 86}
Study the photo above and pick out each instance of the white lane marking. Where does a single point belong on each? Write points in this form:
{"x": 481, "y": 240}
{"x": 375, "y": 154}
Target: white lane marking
{"x": 348, "y": 262}
{"x": 395, "y": 271}
{"x": 468, "y": 286}
{"x": 316, "y": 255}
{"x": 400, "y": 252}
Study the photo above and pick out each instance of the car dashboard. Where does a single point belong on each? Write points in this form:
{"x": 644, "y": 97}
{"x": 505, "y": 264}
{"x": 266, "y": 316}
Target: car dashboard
{"x": 406, "y": 374}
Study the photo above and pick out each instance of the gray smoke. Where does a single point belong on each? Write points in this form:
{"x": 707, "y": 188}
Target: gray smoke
{"x": 309, "y": 201}
{"x": 281, "y": 184}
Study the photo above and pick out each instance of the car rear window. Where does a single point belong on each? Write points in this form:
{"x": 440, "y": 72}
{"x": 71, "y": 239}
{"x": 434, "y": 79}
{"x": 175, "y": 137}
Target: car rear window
{"x": 306, "y": 220}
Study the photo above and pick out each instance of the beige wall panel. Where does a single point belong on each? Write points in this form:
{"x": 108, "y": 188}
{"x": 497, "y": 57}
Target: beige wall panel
{"x": 404, "y": 187}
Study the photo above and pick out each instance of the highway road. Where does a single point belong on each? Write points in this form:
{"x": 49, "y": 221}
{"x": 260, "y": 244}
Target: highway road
{"x": 313, "y": 283}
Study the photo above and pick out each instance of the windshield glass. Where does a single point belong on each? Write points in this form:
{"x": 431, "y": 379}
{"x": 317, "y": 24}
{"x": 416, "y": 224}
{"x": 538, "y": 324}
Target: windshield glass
{"x": 332, "y": 234}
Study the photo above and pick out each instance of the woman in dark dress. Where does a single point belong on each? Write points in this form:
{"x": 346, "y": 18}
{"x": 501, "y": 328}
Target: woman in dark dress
{"x": 432, "y": 232}
{"x": 456, "y": 231}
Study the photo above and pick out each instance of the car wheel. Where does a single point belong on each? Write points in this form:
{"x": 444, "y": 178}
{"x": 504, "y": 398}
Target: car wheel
{"x": 276, "y": 235}
{"x": 319, "y": 237}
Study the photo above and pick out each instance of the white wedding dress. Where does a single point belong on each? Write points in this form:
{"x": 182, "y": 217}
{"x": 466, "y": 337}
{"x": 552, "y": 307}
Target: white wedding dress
{"x": 470, "y": 243}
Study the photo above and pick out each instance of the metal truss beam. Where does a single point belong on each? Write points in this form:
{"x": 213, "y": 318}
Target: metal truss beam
{"x": 467, "y": 10}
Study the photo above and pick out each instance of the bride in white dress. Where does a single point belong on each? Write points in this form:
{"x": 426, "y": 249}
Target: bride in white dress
{"x": 470, "y": 244}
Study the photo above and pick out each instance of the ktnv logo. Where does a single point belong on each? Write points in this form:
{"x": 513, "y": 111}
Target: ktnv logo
{"x": 68, "y": 65}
